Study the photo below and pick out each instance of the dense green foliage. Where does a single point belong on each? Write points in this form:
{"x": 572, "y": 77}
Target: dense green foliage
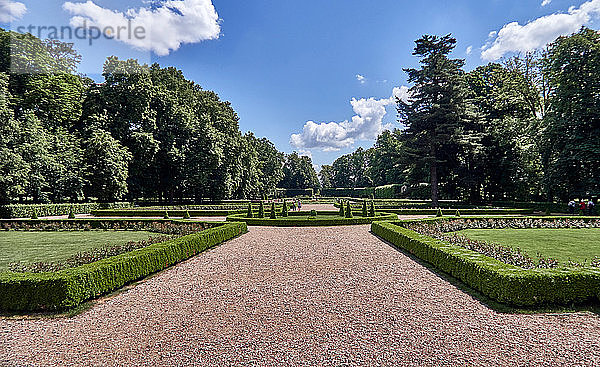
{"x": 527, "y": 129}
{"x": 69, "y": 288}
{"x": 145, "y": 132}
{"x": 46, "y": 210}
{"x": 501, "y": 282}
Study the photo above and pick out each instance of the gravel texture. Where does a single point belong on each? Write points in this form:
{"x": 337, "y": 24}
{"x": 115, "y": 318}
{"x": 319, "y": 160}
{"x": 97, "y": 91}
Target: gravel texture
{"x": 299, "y": 296}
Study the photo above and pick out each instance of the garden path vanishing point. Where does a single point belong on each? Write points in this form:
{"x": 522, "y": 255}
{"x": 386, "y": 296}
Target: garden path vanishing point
{"x": 299, "y": 296}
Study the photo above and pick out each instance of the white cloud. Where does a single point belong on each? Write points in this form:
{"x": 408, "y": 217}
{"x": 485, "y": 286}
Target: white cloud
{"x": 469, "y": 50}
{"x": 514, "y": 37}
{"x": 305, "y": 153}
{"x": 167, "y": 26}
{"x": 361, "y": 78}
{"x": 546, "y": 2}
{"x": 11, "y": 11}
{"x": 367, "y": 124}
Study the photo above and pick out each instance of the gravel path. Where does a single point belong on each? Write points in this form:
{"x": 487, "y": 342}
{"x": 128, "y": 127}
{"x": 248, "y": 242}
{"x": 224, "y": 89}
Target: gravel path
{"x": 300, "y": 296}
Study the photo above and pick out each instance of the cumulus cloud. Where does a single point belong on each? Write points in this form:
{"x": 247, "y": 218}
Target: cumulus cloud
{"x": 167, "y": 24}
{"x": 514, "y": 37}
{"x": 11, "y": 11}
{"x": 361, "y": 78}
{"x": 469, "y": 50}
{"x": 367, "y": 124}
{"x": 546, "y": 2}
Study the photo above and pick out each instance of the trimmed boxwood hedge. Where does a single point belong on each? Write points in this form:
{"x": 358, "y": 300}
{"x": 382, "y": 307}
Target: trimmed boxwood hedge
{"x": 21, "y": 292}
{"x": 497, "y": 280}
{"x": 324, "y": 218}
{"x": 450, "y": 212}
{"x": 161, "y": 213}
{"x": 47, "y": 210}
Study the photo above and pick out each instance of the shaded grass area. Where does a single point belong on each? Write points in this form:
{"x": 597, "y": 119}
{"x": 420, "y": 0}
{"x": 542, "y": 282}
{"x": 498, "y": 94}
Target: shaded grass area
{"x": 31, "y": 247}
{"x": 562, "y": 244}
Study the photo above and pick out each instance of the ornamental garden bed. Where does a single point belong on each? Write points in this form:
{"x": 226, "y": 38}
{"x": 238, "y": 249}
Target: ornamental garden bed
{"x": 57, "y": 265}
{"x": 528, "y": 268}
{"x": 310, "y": 219}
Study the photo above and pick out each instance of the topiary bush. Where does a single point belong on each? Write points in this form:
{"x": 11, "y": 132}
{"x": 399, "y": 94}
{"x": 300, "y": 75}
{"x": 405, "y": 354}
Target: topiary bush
{"x": 284, "y": 211}
{"x": 439, "y": 213}
{"x": 71, "y": 214}
{"x": 249, "y": 214}
{"x": 166, "y": 215}
{"x": 372, "y": 209}
{"x": 34, "y": 214}
{"x": 261, "y": 210}
{"x": 342, "y": 213}
{"x": 186, "y": 215}
{"x": 273, "y": 214}
{"x": 313, "y": 213}
{"x": 364, "y": 209}
{"x": 348, "y": 210}
{"x": 457, "y": 213}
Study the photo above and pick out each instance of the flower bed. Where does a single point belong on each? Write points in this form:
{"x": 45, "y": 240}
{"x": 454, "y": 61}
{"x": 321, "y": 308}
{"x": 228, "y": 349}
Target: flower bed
{"x": 498, "y": 280}
{"x": 50, "y": 291}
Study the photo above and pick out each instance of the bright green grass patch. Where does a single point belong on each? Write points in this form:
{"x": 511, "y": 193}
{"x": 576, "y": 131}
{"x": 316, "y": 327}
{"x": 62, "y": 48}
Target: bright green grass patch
{"x": 562, "y": 244}
{"x": 31, "y": 247}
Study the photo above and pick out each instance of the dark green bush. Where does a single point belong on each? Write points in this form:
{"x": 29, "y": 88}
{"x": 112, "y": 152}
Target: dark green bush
{"x": 501, "y": 282}
{"x": 273, "y": 214}
{"x": 372, "y": 209}
{"x": 68, "y": 288}
{"x": 249, "y": 214}
{"x": 364, "y": 209}
{"x": 303, "y": 219}
{"x": 348, "y": 210}
{"x": 439, "y": 213}
{"x": 160, "y": 213}
{"x": 313, "y": 213}
{"x": 48, "y": 210}
{"x": 462, "y": 211}
{"x": 342, "y": 213}
{"x": 284, "y": 210}
{"x": 166, "y": 215}
{"x": 261, "y": 210}
{"x": 186, "y": 215}
{"x": 71, "y": 213}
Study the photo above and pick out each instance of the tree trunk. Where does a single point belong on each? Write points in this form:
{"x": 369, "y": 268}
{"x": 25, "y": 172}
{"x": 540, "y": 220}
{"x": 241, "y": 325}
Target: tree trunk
{"x": 434, "y": 184}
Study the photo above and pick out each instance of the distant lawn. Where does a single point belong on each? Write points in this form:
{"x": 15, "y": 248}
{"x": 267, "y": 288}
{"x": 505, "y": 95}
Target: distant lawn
{"x": 30, "y": 247}
{"x": 561, "y": 244}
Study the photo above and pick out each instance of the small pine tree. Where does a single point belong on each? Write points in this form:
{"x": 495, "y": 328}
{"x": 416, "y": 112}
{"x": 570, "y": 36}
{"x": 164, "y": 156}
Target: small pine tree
{"x": 34, "y": 214}
{"x": 342, "y": 213}
{"x": 261, "y": 210}
{"x": 548, "y": 211}
{"x": 71, "y": 213}
{"x": 186, "y": 215}
{"x": 249, "y": 214}
{"x": 457, "y": 213}
{"x": 284, "y": 211}
{"x": 364, "y": 209}
{"x": 372, "y": 209}
{"x": 439, "y": 213}
{"x": 166, "y": 216}
{"x": 348, "y": 210}
{"x": 273, "y": 213}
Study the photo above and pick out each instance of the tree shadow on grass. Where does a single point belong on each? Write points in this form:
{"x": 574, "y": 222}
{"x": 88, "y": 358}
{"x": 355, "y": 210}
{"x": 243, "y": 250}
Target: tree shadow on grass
{"x": 491, "y": 303}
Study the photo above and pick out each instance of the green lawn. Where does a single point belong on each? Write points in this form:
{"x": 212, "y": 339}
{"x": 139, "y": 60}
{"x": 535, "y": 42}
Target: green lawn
{"x": 561, "y": 244}
{"x": 29, "y": 247}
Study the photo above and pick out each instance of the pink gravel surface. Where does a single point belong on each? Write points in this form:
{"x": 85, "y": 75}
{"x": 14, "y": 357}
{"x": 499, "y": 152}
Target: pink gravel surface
{"x": 299, "y": 296}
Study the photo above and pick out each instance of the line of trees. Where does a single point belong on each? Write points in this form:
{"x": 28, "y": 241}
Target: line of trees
{"x": 145, "y": 132}
{"x": 524, "y": 129}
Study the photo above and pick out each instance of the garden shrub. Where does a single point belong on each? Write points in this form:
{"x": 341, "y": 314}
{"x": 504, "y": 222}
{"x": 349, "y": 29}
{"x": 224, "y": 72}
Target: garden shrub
{"x": 457, "y": 213}
{"x": 495, "y": 279}
{"x": 313, "y": 213}
{"x": 348, "y": 210}
{"x": 342, "y": 213}
{"x": 284, "y": 210}
{"x": 303, "y": 219}
{"x": 48, "y": 210}
{"x": 261, "y": 210}
{"x": 166, "y": 215}
{"x": 71, "y": 213}
{"x": 439, "y": 213}
{"x": 186, "y": 215}
{"x": 20, "y": 292}
{"x": 364, "y": 209}
{"x": 273, "y": 214}
{"x": 249, "y": 214}
{"x": 372, "y": 209}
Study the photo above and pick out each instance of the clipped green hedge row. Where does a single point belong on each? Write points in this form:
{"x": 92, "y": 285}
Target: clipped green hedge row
{"x": 161, "y": 213}
{"x": 20, "y": 292}
{"x": 47, "y": 210}
{"x": 499, "y": 281}
{"x": 495, "y": 211}
{"x": 324, "y": 218}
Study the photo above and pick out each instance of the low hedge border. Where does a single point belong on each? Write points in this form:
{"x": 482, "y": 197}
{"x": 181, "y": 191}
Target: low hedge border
{"x": 47, "y": 210}
{"x": 290, "y": 221}
{"x": 161, "y": 213}
{"x": 497, "y": 280}
{"x": 452, "y": 212}
{"x": 28, "y": 292}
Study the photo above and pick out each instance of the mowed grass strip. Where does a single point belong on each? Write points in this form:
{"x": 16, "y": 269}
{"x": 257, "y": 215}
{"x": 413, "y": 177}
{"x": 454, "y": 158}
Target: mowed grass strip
{"x": 562, "y": 244}
{"x": 31, "y": 247}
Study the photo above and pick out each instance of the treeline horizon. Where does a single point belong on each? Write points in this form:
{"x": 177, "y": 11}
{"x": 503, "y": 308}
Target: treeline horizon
{"x": 526, "y": 129}
{"x": 144, "y": 132}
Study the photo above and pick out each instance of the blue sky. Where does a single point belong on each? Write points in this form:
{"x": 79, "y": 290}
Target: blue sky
{"x": 282, "y": 64}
